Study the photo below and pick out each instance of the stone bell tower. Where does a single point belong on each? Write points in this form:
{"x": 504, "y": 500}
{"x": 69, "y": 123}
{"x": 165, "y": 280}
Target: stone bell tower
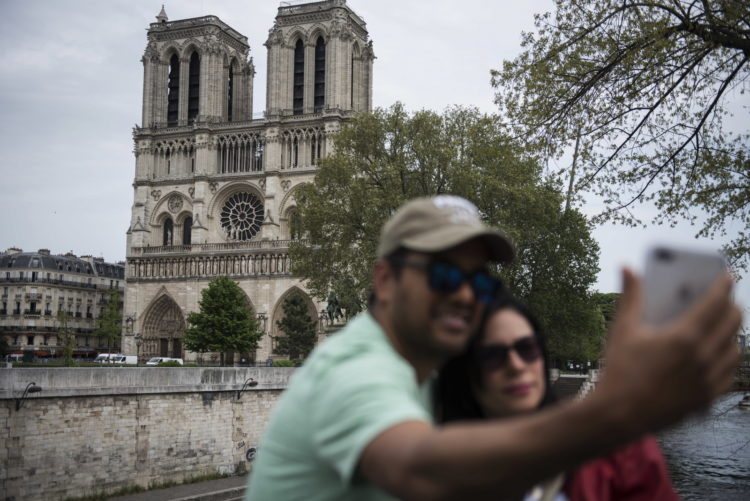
{"x": 319, "y": 57}
{"x": 214, "y": 187}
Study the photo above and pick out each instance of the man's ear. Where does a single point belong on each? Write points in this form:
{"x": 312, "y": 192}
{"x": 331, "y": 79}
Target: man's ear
{"x": 383, "y": 279}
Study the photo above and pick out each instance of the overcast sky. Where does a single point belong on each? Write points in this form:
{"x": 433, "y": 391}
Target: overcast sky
{"x": 70, "y": 93}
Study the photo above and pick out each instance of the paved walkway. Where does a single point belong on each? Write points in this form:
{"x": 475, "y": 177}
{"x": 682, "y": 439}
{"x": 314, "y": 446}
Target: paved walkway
{"x": 210, "y": 489}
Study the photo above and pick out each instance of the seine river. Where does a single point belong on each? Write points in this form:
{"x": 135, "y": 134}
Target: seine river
{"x": 709, "y": 456}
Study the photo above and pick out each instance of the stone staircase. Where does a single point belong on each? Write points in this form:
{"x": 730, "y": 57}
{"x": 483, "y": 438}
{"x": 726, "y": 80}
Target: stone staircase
{"x": 567, "y": 387}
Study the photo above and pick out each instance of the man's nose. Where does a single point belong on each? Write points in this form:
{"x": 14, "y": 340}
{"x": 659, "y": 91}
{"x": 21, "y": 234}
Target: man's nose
{"x": 465, "y": 292}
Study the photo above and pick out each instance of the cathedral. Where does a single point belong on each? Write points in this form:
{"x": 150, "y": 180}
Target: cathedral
{"x": 214, "y": 184}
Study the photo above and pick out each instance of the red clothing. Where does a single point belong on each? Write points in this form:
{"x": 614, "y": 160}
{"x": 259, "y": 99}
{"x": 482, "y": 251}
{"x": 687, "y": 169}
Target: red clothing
{"x": 636, "y": 472}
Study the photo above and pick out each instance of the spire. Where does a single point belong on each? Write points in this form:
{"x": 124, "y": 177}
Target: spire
{"x": 162, "y": 17}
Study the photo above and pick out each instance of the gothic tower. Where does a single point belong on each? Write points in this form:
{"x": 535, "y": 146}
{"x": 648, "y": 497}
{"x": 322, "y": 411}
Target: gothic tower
{"x": 214, "y": 185}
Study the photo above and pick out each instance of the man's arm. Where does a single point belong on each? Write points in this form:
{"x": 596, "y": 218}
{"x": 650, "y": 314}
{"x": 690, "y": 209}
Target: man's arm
{"x": 654, "y": 377}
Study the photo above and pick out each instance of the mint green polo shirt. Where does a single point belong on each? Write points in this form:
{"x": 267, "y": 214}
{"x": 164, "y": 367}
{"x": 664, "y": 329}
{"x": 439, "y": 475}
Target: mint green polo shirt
{"x": 353, "y": 387}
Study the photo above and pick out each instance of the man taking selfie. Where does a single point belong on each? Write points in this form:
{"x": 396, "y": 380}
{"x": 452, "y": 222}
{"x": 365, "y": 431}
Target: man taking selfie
{"x": 355, "y": 421}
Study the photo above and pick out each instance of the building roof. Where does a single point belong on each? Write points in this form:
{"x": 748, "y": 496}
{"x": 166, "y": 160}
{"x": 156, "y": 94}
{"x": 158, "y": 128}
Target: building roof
{"x": 68, "y": 263}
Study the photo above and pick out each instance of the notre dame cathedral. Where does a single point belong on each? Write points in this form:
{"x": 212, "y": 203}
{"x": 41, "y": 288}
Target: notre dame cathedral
{"x": 214, "y": 187}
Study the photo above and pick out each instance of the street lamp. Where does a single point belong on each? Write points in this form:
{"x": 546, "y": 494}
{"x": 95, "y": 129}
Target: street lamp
{"x": 30, "y": 388}
{"x": 249, "y": 382}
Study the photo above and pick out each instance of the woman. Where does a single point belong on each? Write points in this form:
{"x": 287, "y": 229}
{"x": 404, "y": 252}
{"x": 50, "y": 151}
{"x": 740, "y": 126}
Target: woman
{"x": 505, "y": 372}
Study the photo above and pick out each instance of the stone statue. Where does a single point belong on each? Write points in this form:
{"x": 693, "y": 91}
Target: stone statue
{"x": 333, "y": 309}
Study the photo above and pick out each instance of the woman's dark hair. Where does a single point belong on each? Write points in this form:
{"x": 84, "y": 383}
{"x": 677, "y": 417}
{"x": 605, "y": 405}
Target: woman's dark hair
{"x": 454, "y": 397}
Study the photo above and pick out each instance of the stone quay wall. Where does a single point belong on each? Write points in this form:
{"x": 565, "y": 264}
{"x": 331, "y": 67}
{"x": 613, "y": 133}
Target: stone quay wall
{"x": 93, "y": 430}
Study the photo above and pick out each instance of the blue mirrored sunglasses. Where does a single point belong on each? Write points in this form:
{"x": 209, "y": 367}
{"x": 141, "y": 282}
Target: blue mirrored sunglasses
{"x": 447, "y": 278}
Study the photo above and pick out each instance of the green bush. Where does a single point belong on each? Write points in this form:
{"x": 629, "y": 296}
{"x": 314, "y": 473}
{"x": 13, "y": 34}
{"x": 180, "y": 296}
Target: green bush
{"x": 171, "y": 363}
{"x": 283, "y": 363}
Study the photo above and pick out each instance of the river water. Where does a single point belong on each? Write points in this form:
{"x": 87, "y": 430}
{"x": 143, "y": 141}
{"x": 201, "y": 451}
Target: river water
{"x": 709, "y": 455}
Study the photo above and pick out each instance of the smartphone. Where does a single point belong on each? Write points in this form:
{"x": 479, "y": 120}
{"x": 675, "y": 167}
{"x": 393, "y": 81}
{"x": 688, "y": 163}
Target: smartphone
{"x": 674, "y": 279}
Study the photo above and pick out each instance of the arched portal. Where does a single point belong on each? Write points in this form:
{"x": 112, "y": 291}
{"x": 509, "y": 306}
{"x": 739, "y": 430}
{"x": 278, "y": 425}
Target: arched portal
{"x": 163, "y": 327}
{"x": 278, "y": 313}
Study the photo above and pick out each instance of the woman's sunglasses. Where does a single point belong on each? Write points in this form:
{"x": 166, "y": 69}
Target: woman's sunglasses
{"x": 495, "y": 356}
{"x": 447, "y": 278}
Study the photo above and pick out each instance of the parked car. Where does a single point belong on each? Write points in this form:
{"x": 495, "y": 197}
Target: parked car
{"x": 106, "y": 358}
{"x": 125, "y": 359}
{"x": 158, "y": 360}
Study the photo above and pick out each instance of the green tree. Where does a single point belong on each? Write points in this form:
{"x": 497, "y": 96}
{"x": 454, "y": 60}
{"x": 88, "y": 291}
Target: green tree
{"x": 387, "y": 157}
{"x": 641, "y": 90}
{"x": 299, "y": 328}
{"x": 224, "y": 323}
{"x": 109, "y": 322}
{"x": 65, "y": 337}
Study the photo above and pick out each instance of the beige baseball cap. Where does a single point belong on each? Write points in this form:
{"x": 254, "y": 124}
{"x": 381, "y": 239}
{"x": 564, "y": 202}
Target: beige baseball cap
{"x": 435, "y": 224}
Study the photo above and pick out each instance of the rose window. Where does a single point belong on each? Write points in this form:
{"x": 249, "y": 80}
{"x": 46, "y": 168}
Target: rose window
{"x": 241, "y": 216}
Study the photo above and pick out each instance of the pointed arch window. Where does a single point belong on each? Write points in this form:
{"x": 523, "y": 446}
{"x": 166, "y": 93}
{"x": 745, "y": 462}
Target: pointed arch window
{"x": 230, "y": 91}
{"x": 194, "y": 86}
{"x": 173, "y": 91}
{"x": 187, "y": 227}
{"x": 295, "y": 229}
{"x": 167, "y": 236}
{"x": 320, "y": 74}
{"x": 299, "y": 78}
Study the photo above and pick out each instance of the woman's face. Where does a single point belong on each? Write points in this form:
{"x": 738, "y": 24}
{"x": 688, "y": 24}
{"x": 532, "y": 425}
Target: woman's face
{"x": 518, "y": 384}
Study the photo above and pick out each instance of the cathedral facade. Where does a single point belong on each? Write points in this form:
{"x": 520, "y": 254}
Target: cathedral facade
{"x": 214, "y": 186}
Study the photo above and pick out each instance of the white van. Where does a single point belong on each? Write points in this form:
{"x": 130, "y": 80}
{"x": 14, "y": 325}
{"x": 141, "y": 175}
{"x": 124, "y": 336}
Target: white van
{"x": 106, "y": 358}
{"x": 14, "y": 357}
{"x": 158, "y": 360}
{"x": 125, "y": 359}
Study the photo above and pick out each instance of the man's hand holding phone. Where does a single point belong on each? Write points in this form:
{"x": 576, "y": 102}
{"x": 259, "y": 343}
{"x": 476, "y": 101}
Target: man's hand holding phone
{"x": 658, "y": 372}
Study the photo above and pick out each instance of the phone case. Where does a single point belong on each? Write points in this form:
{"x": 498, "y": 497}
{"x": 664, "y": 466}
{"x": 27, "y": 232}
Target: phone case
{"x": 674, "y": 279}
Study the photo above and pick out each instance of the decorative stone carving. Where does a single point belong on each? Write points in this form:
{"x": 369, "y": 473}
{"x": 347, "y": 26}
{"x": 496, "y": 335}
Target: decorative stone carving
{"x": 156, "y": 195}
{"x": 191, "y": 191}
{"x": 174, "y": 204}
{"x": 213, "y": 186}
{"x": 286, "y": 184}
{"x": 262, "y": 183}
{"x": 275, "y": 37}
{"x": 241, "y": 216}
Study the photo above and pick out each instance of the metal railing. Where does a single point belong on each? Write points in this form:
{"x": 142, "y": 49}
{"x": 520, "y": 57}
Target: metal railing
{"x": 201, "y": 248}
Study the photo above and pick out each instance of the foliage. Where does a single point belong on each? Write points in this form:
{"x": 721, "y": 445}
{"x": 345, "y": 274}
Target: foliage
{"x": 171, "y": 363}
{"x": 387, "y": 157}
{"x": 642, "y": 89}
{"x": 66, "y": 337}
{"x": 109, "y": 322}
{"x": 283, "y": 363}
{"x": 225, "y": 321}
{"x": 607, "y": 304}
{"x": 300, "y": 330}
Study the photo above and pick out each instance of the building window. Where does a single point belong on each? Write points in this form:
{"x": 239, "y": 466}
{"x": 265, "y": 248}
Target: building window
{"x": 320, "y": 74}
{"x": 167, "y": 235}
{"x": 194, "y": 87}
{"x": 241, "y": 216}
{"x": 30, "y": 340}
{"x": 230, "y": 91}
{"x": 173, "y": 91}
{"x": 299, "y": 78}
{"x": 187, "y": 228}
